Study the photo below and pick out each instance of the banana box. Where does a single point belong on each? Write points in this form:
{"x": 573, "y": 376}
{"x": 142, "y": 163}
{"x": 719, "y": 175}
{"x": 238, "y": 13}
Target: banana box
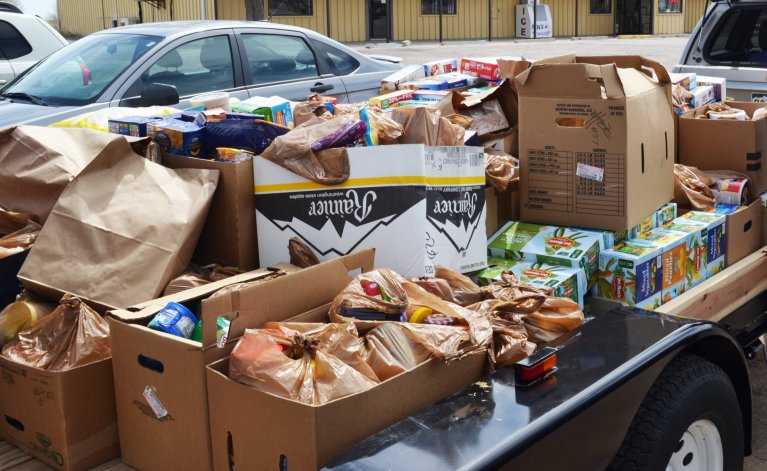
{"x": 631, "y": 273}
{"x": 716, "y": 239}
{"x": 565, "y": 282}
{"x": 697, "y": 243}
{"x": 562, "y": 246}
{"x": 674, "y": 269}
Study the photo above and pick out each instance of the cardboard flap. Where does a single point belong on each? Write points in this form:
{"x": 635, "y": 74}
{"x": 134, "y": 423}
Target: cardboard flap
{"x": 570, "y": 81}
{"x": 631, "y": 62}
{"x": 294, "y": 294}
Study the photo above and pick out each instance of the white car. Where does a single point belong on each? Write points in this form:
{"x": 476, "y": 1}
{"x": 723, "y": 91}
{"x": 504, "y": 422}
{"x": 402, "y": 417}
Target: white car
{"x": 24, "y": 40}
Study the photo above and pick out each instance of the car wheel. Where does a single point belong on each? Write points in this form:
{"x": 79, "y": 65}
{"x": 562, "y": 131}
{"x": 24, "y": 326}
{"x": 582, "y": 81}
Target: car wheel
{"x": 690, "y": 420}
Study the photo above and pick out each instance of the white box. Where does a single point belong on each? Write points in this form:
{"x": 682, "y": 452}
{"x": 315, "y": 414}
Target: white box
{"x": 718, "y": 83}
{"x": 418, "y": 206}
{"x": 408, "y": 73}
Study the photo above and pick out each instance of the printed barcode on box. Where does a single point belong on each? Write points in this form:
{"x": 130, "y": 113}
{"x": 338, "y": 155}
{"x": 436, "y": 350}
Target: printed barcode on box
{"x": 477, "y": 160}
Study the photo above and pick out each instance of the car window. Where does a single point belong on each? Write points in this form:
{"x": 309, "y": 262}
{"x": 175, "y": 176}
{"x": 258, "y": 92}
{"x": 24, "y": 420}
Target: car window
{"x": 12, "y": 43}
{"x": 741, "y": 38}
{"x": 78, "y": 74}
{"x": 340, "y": 63}
{"x": 199, "y": 66}
{"x": 276, "y": 58}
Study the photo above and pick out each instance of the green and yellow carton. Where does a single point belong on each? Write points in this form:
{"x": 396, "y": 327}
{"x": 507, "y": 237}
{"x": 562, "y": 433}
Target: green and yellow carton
{"x": 674, "y": 268}
{"x": 716, "y": 240}
{"x": 697, "y": 243}
{"x": 565, "y": 282}
{"x": 659, "y": 218}
{"x": 631, "y": 273}
{"x": 548, "y": 244}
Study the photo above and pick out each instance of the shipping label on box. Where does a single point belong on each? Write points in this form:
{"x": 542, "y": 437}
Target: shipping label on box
{"x": 547, "y": 244}
{"x": 674, "y": 268}
{"x": 716, "y": 239}
{"x": 697, "y": 243}
{"x": 418, "y": 206}
{"x": 631, "y": 273}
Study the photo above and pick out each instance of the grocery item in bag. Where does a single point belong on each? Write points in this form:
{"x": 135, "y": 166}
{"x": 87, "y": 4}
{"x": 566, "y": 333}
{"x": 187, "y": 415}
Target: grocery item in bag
{"x": 500, "y": 170}
{"x": 21, "y": 315}
{"x": 174, "y": 319}
{"x": 18, "y": 232}
{"x": 300, "y": 254}
{"x": 391, "y": 350}
{"x": 72, "y": 335}
{"x": 691, "y": 188}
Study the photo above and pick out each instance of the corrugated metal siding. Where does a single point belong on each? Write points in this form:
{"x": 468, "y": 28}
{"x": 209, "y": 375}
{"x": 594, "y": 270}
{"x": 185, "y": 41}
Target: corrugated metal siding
{"x": 231, "y": 10}
{"x": 562, "y": 17}
{"x": 316, "y": 22}
{"x": 668, "y": 23}
{"x": 347, "y": 20}
{"x": 470, "y": 22}
{"x": 594, "y": 25}
{"x": 693, "y": 11}
{"x": 504, "y": 18}
{"x": 82, "y": 17}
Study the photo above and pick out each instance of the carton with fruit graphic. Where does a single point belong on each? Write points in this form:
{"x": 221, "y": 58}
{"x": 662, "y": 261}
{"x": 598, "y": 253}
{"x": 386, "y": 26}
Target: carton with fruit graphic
{"x": 674, "y": 267}
{"x": 697, "y": 252}
{"x": 659, "y": 218}
{"x": 565, "y": 282}
{"x": 716, "y": 240}
{"x": 631, "y": 273}
{"x": 548, "y": 244}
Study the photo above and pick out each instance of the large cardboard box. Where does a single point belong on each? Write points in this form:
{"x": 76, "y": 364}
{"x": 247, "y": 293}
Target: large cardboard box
{"x": 174, "y": 367}
{"x": 725, "y": 144}
{"x": 763, "y": 199}
{"x": 229, "y": 235}
{"x": 257, "y": 430}
{"x": 502, "y": 207}
{"x": 65, "y": 419}
{"x": 9, "y": 283}
{"x": 596, "y": 141}
{"x": 418, "y": 206}
{"x": 744, "y": 234}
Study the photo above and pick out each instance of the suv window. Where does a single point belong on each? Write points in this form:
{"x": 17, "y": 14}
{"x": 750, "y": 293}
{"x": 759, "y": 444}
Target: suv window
{"x": 12, "y": 43}
{"x": 276, "y": 58}
{"x": 340, "y": 63}
{"x": 741, "y": 38}
{"x": 199, "y": 66}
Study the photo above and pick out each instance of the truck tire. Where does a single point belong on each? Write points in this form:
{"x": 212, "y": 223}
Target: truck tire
{"x": 690, "y": 419}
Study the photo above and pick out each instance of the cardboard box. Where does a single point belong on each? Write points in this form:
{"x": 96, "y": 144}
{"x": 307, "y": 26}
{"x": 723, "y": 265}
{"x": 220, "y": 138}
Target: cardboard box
{"x": 228, "y": 237}
{"x": 261, "y": 429}
{"x": 152, "y": 443}
{"x": 697, "y": 248}
{"x": 175, "y": 136}
{"x": 565, "y": 282}
{"x": 548, "y": 244}
{"x": 502, "y": 207}
{"x": 631, "y": 273}
{"x": 659, "y": 218}
{"x": 65, "y": 419}
{"x": 273, "y": 109}
{"x": 596, "y": 142}
{"x": 763, "y": 199}
{"x": 484, "y": 68}
{"x": 131, "y": 126}
{"x": 405, "y": 74}
{"x": 688, "y": 81}
{"x": 716, "y": 238}
{"x": 744, "y": 235}
{"x": 9, "y": 283}
{"x": 674, "y": 247}
{"x": 394, "y": 197}
{"x": 719, "y": 85}
{"x": 439, "y": 67}
{"x": 701, "y": 95}
{"x": 701, "y": 144}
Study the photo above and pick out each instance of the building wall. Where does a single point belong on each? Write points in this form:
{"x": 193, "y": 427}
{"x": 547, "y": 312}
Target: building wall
{"x": 348, "y": 20}
{"x": 693, "y": 11}
{"x": 562, "y": 16}
{"x": 668, "y": 23}
{"x": 316, "y": 22}
{"x": 595, "y": 25}
{"x": 504, "y": 18}
{"x": 470, "y": 22}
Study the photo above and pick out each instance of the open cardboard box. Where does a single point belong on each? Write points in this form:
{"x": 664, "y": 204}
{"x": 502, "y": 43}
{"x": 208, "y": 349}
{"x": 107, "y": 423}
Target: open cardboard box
{"x": 256, "y": 430}
{"x": 743, "y": 232}
{"x": 174, "y": 367}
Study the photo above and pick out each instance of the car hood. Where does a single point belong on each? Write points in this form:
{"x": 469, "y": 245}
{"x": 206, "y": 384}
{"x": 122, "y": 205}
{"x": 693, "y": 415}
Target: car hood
{"x": 13, "y": 113}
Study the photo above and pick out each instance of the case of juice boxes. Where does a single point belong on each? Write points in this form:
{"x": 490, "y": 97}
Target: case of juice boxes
{"x": 565, "y": 282}
{"x": 697, "y": 243}
{"x": 631, "y": 273}
{"x": 659, "y": 218}
{"x": 674, "y": 268}
{"x": 548, "y": 244}
{"x": 716, "y": 238}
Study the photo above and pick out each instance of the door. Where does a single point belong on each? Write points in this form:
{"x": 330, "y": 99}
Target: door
{"x": 633, "y": 17}
{"x": 378, "y": 17}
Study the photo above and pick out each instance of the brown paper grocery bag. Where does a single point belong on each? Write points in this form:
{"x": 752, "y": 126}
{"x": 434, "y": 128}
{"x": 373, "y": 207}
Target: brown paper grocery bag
{"x": 37, "y": 163}
{"x": 121, "y": 230}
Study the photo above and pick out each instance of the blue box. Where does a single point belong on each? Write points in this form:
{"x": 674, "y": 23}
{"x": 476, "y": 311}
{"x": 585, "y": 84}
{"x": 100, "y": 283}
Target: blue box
{"x": 136, "y": 126}
{"x": 178, "y": 137}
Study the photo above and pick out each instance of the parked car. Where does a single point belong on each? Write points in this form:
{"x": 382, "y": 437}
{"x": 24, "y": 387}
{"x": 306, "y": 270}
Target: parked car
{"x": 24, "y": 40}
{"x": 730, "y": 41}
{"x": 168, "y": 63}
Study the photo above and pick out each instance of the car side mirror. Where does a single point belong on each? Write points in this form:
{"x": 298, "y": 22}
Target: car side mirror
{"x": 159, "y": 94}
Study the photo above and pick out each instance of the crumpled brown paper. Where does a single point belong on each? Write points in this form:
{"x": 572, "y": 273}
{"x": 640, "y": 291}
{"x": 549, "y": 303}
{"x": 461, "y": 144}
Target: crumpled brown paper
{"x": 298, "y": 365}
{"x": 500, "y": 170}
{"x": 691, "y": 188}
{"x": 196, "y": 276}
{"x": 427, "y": 125}
{"x": 18, "y": 232}
{"x": 300, "y": 254}
{"x": 392, "y": 349}
{"x": 72, "y": 335}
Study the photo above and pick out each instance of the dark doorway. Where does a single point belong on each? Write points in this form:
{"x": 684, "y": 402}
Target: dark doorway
{"x": 633, "y": 17}
{"x": 378, "y": 11}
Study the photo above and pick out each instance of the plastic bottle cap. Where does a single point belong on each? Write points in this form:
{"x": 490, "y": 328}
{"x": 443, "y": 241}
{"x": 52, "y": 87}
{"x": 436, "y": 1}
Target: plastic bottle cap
{"x": 420, "y": 314}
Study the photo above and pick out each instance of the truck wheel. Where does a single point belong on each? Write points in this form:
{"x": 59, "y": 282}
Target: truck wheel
{"x": 689, "y": 420}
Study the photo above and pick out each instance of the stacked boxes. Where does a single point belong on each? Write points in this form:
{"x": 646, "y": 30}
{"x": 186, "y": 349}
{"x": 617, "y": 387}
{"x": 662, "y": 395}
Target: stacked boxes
{"x": 674, "y": 250}
{"x": 565, "y": 282}
{"x": 716, "y": 238}
{"x": 631, "y": 273}
{"x": 697, "y": 241}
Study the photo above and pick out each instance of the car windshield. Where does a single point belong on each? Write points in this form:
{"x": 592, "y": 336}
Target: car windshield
{"x": 78, "y": 74}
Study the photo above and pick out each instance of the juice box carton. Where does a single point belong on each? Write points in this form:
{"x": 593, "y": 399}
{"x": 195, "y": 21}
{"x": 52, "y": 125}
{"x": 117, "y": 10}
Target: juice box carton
{"x": 697, "y": 244}
{"x": 548, "y": 244}
{"x": 659, "y": 218}
{"x": 131, "y": 126}
{"x": 716, "y": 239}
{"x": 390, "y": 99}
{"x": 631, "y": 273}
{"x": 608, "y": 238}
{"x": 274, "y": 109}
{"x": 440, "y": 67}
{"x": 178, "y": 137}
{"x": 674, "y": 268}
{"x": 408, "y": 73}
